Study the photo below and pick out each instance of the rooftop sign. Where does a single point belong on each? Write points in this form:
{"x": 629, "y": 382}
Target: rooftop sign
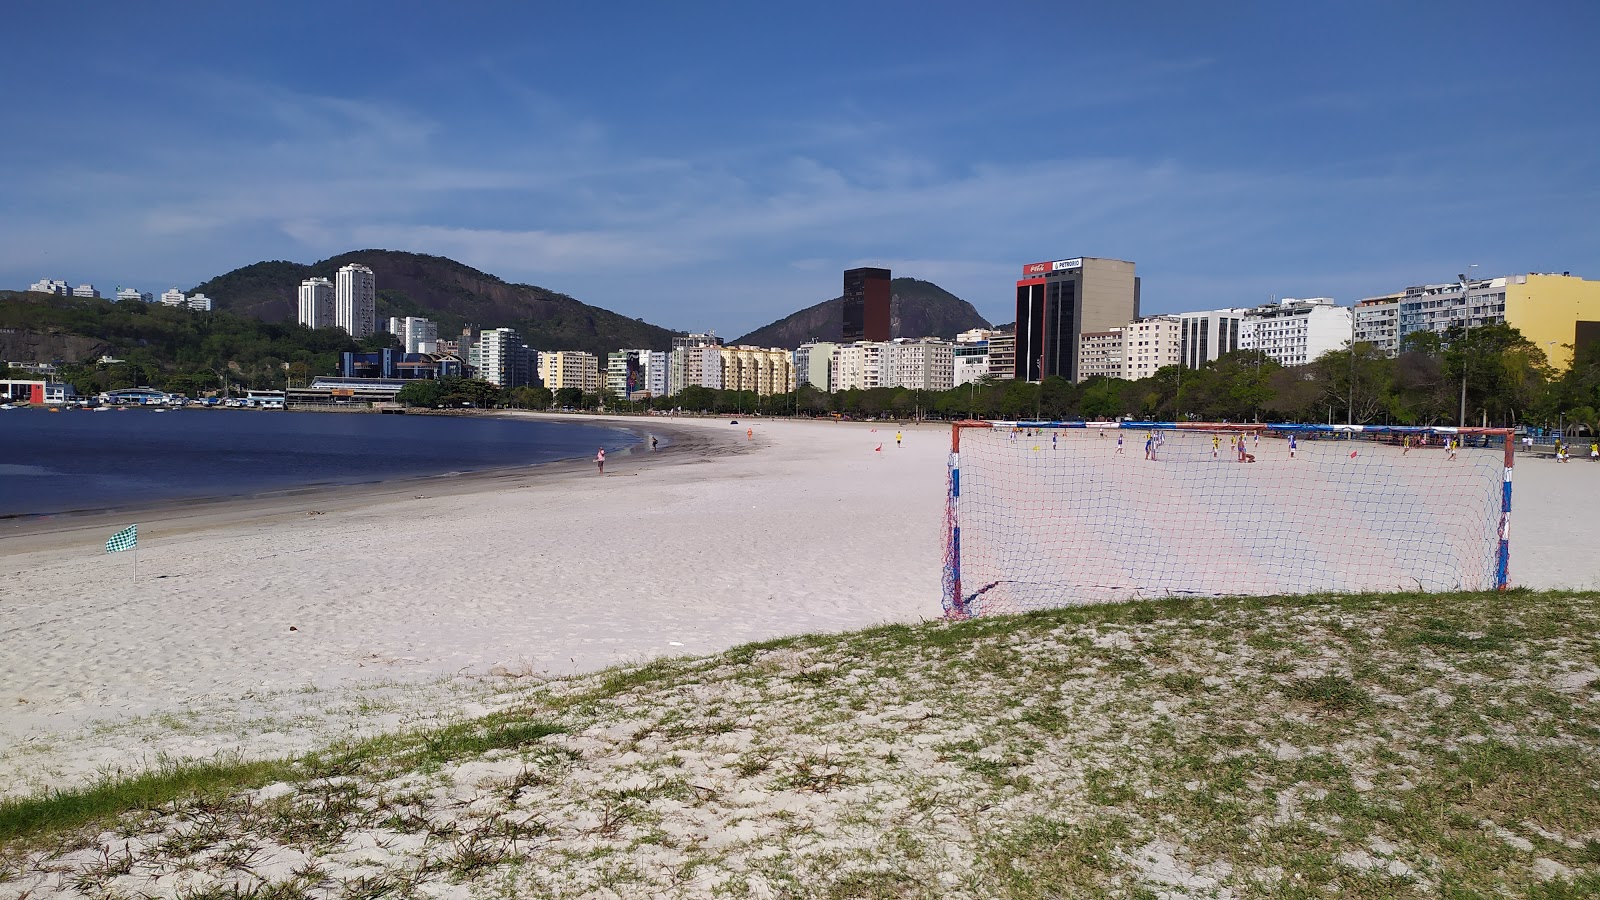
{"x": 1041, "y": 268}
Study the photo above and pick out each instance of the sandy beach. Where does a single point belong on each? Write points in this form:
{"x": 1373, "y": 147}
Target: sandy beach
{"x": 270, "y": 626}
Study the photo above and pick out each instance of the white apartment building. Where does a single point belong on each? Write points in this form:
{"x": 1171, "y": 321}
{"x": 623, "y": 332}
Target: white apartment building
{"x": 1100, "y": 354}
{"x": 51, "y": 286}
{"x": 857, "y": 366}
{"x": 1296, "y": 332}
{"x": 1209, "y": 334}
{"x": 1150, "y": 345}
{"x": 86, "y": 291}
{"x": 199, "y": 302}
{"x": 355, "y": 301}
{"x": 174, "y": 297}
{"x": 417, "y": 334}
{"x": 928, "y": 364}
{"x": 560, "y": 369}
{"x": 316, "y": 303}
{"x": 648, "y": 371}
{"x": 500, "y": 358}
{"x": 812, "y": 362}
{"x": 131, "y": 295}
{"x": 1376, "y": 321}
{"x": 970, "y": 361}
{"x": 694, "y": 365}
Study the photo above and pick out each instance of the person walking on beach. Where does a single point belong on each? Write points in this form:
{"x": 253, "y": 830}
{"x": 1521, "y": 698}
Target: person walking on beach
{"x": 1293, "y": 445}
{"x": 652, "y": 442}
{"x": 897, "y": 438}
{"x": 1405, "y": 446}
{"x": 1594, "y": 451}
{"x": 1450, "y": 447}
{"x": 1216, "y": 446}
{"x": 600, "y": 460}
{"x": 1119, "y": 445}
{"x": 1150, "y": 446}
{"x": 749, "y": 434}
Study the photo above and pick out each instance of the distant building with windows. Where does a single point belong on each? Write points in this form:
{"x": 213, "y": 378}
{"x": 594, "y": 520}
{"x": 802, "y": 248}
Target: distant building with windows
{"x": 569, "y": 369}
{"x": 1376, "y": 321}
{"x": 1296, "y": 332}
{"x": 316, "y": 303}
{"x": 868, "y": 296}
{"x": 1206, "y": 335}
{"x": 969, "y": 361}
{"x": 417, "y": 335}
{"x": 637, "y": 374}
{"x": 1557, "y": 312}
{"x": 131, "y": 295}
{"x": 1003, "y": 355}
{"x": 355, "y": 301}
{"x": 1149, "y": 345}
{"x": 760, "y": 369}
{"x": 199, "y": 302}
{"x": 86, "y": 291}
{"x": 174, "y": 297}
{"x": 500, "y": 358}
{"x": 812, "y": 360}
{"x": 1100, "y": 354}
{"x": 51, "y": 286}
{"x": 695, "y": 361}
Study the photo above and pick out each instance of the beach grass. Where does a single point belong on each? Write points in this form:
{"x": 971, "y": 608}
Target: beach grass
{"x": 1418, "y": 745}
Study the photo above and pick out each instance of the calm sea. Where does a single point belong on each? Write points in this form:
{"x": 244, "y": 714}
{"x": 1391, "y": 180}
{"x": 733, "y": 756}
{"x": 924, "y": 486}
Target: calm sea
{"x": 81, "y": 460}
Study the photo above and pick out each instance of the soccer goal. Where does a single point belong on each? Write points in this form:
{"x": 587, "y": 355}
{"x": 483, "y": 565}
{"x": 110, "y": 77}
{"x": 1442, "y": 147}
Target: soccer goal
{"x": 1044, "y": 514}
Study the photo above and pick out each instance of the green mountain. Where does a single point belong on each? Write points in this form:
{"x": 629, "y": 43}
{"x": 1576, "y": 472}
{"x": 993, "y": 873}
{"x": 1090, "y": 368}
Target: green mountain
{"x": 450, "y": 293}
{"x": 916, "y": 309}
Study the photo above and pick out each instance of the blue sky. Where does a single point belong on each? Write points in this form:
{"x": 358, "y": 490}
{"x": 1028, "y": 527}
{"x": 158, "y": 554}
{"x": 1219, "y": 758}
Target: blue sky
{"x": 716, "y": 165}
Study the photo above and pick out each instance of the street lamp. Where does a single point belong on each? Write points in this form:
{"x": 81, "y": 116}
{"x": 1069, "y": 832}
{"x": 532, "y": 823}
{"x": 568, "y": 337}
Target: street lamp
{"x": 1466, "y": 326}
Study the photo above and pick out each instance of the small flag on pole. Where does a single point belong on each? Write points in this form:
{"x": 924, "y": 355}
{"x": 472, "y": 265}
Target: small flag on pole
{"x": 126, "y": 539}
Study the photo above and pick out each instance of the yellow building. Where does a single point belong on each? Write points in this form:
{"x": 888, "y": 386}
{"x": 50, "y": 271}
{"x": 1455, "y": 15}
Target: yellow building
{"x": 1548, "y": 308}
{"x": 765, "y": 371}
{"x": 569, "y": 369}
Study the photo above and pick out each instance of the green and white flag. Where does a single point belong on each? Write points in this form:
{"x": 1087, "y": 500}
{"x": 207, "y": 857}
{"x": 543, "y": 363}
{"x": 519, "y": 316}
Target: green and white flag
{"x": 126, "y": 539}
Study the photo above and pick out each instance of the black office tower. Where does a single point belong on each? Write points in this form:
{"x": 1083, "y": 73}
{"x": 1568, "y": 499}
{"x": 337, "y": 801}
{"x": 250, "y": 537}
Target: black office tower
{"x": 866, "y": 305}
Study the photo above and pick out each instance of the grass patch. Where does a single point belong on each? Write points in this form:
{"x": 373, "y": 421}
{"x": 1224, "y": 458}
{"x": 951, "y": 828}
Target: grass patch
{"x": 60, "y": 811}
{"x": 1334, "y": 692}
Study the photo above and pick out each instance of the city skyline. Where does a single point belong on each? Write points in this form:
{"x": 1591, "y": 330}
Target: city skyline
{"x": 1235, "y": 156}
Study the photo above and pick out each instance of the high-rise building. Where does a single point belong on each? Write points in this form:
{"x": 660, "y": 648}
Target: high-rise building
{"x": 416, "y": 334}
{"x": 316, "y": 303}
{"x": 694, "y": 365}
{"x": 867, "y": 297}
{"x": 502, "y": 359}
{"x": 857, "y": 366}
{"x": 637, "y": 374}
{"x": 1100, "y": 354}
{"x": 560, "y": 369}
{"x": 198, "y": 302}
{"x": 1376, "y": 321}
{"x": 762, "y": 370}
{"x": 970, "y": 359}
{"x": 925, "y": 364}
{"x": 1150, "y": 345}
{"x": 86, "y": 291}
{"x": 355, "y": 301}
{"x": 1058, "y": 301}
{"x": 1295, "y": 332}
{"x": 174, "y": 297}
{"x": 1208, "y": 335}
{"x": 1003, "y": 355}
{"x": 811, "y": 363}
{"x": 132, "y": 295}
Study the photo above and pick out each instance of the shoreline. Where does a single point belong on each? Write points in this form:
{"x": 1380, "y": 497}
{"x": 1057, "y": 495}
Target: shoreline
{"x": 23, "y": 533}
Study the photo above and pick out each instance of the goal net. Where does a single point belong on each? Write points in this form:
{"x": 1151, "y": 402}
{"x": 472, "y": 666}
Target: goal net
{"x": 1046, "y": 514}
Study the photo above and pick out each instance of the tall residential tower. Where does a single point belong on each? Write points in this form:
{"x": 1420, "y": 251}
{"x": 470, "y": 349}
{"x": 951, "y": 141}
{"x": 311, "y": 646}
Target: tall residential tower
{"x": 866, "y": 305}
{"x": 355, "y": 303}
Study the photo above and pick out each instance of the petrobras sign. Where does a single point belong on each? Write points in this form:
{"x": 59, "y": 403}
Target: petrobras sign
{"x": 1060, "y": 265}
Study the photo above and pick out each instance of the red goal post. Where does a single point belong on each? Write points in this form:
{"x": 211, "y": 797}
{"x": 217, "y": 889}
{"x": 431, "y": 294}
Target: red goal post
{"x": 1043, "y": 514}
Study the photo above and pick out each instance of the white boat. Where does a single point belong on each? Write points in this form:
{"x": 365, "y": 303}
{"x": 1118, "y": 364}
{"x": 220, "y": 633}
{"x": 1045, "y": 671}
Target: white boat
{"x": 6, "y": 406}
